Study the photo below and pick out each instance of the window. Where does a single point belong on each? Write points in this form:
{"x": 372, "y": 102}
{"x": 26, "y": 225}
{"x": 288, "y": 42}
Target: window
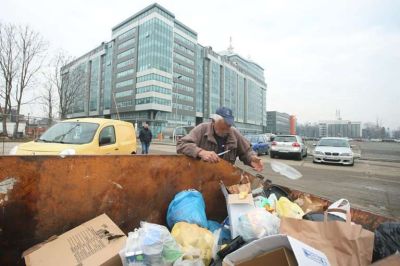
{"x": 123, "y": 94}
{"x": 108, "y": 132}
{"x": 154, "y": 77}
{"x": 184, "y": 59}
{"x": 153, "y": 88}
{"x": 124, "y": 83}
{"x": 154, "y": 100}
{"x": 126, "y": 34}
{"x": 126, "y": 43}
{"x": 126, "y": 53}
{"x": 125, "y": 63}
{"x": 183, "y": 49}
{"x": 183, "y": 68}
{"x": 125, "y": 73}
{"x": 184, "y": 40}
{"x": 183, "y": 87}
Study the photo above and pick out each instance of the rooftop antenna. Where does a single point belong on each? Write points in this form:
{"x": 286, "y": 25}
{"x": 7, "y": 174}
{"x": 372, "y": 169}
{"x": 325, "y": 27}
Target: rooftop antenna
{"x": 338, "y": 114}
{"x": 230, "y": 48}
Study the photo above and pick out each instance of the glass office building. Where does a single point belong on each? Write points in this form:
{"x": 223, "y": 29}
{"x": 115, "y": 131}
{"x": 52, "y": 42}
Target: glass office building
{"x": 154, "y": 70}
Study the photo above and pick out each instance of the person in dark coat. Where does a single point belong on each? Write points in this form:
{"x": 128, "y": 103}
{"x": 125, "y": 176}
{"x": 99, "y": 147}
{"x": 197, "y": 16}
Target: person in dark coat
{"x": 145, "y": 137}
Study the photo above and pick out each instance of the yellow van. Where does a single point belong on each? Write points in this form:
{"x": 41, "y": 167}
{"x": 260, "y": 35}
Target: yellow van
{"x": 83, "y": 136}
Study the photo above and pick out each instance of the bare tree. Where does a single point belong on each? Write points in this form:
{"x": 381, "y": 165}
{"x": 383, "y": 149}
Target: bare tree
{"x": 66, "y": 81}
{"x": 49, "y": 101}
{"x": 32, "y": 49}
{"x": 9, "y": 54}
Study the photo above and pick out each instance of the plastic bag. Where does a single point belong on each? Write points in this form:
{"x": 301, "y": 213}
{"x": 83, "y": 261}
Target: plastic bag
{"x": 190, "y": 259}
{"x": 187, "y": 206}
{"x": 258, "y": 223}
{"x": 342, "y": 204}
{"x": 213, "y": 226}
{"x": 132, "y": 254}
{"x": 191, "y": 237}
{"x": 286, "y": 208}
{"x": 159, "y": 247}
{"x": 285, "y": 170}
{"x": 387, "y": 240}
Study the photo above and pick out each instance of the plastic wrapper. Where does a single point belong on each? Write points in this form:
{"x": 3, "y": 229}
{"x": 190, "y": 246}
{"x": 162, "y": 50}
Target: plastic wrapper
{"x": 258, "y": 223}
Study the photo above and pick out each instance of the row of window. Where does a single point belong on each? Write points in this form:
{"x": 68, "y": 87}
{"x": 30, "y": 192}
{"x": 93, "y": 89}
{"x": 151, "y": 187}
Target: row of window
{"x": 183, "y": 77}
{"x": 184, "y": 59}
{"x": 126, "y": 43}
{"x": 191, "y": 34}
{"x": 125, "y": 73}
{"x": 153, "y": 88}
{"x": 182, "y": 107}
{"x": 124, "y": 83}
{"x": 154, "y": 77}
{"x": 155, "y": 100}
{"x": 123, "y": 94}
{"x": 126, "y": 103}
{"x": 183, "y": 97}
{"x": 183, "y": 87}
{"x": 126, "y": 63}
{"x": 183, "y": 68}
{"x": 184, "y": 40}
{"x": 126, "y": 53}
{"x": 124, "y": 35}
{"x": 183, "y": 49}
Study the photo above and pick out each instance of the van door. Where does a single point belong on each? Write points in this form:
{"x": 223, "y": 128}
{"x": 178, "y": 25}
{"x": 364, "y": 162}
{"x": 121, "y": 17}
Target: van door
{"x": 108, "y": 141}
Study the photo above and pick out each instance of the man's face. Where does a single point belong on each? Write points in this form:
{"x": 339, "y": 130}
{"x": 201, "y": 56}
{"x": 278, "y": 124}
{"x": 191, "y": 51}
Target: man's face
{"x": 221, "y": 128}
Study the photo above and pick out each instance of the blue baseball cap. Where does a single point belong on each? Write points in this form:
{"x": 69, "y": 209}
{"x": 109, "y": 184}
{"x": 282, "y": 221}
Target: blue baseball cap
{"x": 227, "y": 114}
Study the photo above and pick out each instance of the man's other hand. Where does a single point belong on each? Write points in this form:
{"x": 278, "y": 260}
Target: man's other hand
{"x": 257, "y": 164}
{"x": 209, "y": 156}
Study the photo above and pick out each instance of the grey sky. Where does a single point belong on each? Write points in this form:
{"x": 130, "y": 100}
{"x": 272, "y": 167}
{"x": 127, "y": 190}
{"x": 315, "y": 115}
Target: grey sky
{"x": 318, "y": 56}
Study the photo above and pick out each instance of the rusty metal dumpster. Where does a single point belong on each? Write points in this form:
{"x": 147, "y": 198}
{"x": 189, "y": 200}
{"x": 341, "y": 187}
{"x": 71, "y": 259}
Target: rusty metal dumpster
{"x": 48, "y": 195}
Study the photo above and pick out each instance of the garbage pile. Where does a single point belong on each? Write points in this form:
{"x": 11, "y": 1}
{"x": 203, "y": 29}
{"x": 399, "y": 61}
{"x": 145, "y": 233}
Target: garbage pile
{"x": 265, "y": 226}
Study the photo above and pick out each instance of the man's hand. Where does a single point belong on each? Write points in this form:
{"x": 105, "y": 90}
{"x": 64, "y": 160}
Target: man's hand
{"x": 257, "y": 164}
{"x": 209, "y": 156}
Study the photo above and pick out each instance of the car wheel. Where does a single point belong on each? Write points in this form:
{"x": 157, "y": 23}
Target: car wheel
{"x": 266, "y": 151}
{"x": 271, "y": 154}
{"x": 305, "y": 155}
{"x": 352, "y": 164}
{"x": 314, "y": 161}
{"x": 258, "y": 152}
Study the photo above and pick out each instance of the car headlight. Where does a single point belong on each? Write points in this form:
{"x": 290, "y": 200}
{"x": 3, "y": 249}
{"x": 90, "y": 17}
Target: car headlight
{"x": 13, "y": 151}
{"x": 319, "y": 152}
{"x": 345, "y": 154}
{"x": 68, "y": 152}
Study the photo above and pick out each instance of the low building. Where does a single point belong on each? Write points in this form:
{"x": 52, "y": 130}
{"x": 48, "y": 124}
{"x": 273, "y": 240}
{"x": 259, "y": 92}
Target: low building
{"x": 278, "y": 123}
{"x": 339, "y": 128}
{"x": 292, "y": 122}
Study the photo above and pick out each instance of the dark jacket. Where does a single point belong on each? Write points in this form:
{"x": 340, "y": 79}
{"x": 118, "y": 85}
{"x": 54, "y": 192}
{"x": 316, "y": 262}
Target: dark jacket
{"x": 202, "y": 138}
{"x": 145, "y": 135}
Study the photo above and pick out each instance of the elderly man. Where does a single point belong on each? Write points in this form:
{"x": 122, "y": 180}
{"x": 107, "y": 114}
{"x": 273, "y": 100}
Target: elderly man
{"x": 207, "y": 140}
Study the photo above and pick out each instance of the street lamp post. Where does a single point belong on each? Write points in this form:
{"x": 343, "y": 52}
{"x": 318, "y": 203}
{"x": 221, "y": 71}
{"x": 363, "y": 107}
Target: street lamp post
{"x": 176, "y": 103}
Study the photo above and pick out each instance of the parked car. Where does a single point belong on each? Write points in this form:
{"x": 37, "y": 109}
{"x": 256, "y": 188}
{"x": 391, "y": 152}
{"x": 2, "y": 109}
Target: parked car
{"x": 259, "y": 143}
{"x": 83, "y": 136}
{"x": 288, "y": 145}
{"x": 334, "y": 150}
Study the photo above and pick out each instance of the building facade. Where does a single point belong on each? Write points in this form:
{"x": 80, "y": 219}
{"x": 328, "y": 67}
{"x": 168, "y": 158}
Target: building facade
{"x": 278, "y": 123}
{"x": 154, "y": 70}
{"x": 340, "y": 128}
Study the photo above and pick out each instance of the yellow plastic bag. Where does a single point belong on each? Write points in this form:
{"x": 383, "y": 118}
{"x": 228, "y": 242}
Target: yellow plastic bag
{"x": 286, "y": 208}
{"x": 192, "y": 237}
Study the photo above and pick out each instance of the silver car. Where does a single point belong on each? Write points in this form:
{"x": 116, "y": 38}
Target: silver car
{"x": 288, "y": 145}
{"x": 333, "y": 150}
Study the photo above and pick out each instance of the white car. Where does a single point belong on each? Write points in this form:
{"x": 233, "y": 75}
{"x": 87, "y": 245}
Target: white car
{"x": 288, "y": 145}
{"x": 334, "y": 150}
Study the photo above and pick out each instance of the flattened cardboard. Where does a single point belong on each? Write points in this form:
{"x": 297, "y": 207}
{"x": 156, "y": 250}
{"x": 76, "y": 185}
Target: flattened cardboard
{"x": 277, "y": 257}
{"x": 86, "y": 245}
{"x": 304, "y": 254}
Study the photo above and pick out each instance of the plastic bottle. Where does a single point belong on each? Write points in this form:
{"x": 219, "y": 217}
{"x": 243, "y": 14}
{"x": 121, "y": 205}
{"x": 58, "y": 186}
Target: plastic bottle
{"x": 134, "y": 253}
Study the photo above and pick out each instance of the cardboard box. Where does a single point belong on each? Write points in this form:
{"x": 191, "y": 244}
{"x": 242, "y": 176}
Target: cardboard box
{"x": 86, "y": 244}
{"x": 277, "y": 257}
{"x": 236, "y": 207}
{"x": 260, "y": 251}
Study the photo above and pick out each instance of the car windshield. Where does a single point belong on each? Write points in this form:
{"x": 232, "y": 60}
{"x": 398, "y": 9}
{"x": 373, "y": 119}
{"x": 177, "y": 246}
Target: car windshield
{"x": 285, "y": 139}
{"x": 333, "y": 143}
{"x": 251, "y": 138}
{"x": 70, "y": 132}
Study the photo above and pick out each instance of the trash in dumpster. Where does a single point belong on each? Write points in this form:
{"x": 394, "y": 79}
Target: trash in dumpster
{"x": 96, "y": 242}
{"x": 236, "y": 207}
{"x": 231, "y": 247}
{"x": 319, "y": 217}
{"x": 244, "y": 186}
{"x": 151, "y": 244}
{"x": 342, "y": 204}
{"x": 285, "y": 170}
{"x": 308, "y": 205}
{"x": 393, "y": 260}
{"x": 387, "y": 240}
{"x": 264, "y": 251}
{"x": 258, "y": 223}
{"x": 286, "y": 208}
{"x": 194, "y": 240}
{"x": 344, "y": 243}
{"x": 187, "y": 206}
{"x": 213, "y": 226}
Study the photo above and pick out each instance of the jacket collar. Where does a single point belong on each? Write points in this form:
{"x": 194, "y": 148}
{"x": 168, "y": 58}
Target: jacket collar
{"x": 231, "y": 141}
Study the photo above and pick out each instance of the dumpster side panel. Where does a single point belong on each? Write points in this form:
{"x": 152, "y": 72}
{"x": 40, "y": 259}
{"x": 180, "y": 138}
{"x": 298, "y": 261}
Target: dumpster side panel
{"x": 51, "y": 195}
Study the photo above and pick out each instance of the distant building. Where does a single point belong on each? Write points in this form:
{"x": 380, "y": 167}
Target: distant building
{"x": 292, "y": 122}
{"x": 278, "y": 123}
{"x": 308, "y": 130}
{"x": 339, "y": 128}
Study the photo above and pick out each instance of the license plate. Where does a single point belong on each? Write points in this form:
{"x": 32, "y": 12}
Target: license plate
{"x": 331, "y": 157}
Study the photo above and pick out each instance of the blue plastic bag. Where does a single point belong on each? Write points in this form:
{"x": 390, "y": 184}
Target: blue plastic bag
{"x": 187, "y": 206}
{"x": 213, "y": 225}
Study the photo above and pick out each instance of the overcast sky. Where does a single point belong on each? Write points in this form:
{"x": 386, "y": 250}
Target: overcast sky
{"x": 318, "y": 56}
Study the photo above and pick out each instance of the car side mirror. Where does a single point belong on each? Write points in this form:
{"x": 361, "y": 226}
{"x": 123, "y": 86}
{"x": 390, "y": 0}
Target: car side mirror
{"x": 104, "y": 141}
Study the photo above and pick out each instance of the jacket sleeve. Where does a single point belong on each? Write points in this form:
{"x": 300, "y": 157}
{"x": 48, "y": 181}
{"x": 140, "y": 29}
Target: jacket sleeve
{"x": 245, "y": 152}
{"x": 141, "y": 135}
{"x": 189, "y": 144}
{"x": 151, "y": 135}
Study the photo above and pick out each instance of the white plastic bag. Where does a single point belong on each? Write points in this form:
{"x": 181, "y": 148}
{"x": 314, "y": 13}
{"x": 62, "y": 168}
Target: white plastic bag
{"x": 258, "y": 223}
{"x": 342, "y": 204}
{"x": 192, "y": 257}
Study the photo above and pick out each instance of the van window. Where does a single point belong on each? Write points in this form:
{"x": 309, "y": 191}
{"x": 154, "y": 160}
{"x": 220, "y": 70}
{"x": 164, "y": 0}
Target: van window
{"x": 108, "y": 132}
